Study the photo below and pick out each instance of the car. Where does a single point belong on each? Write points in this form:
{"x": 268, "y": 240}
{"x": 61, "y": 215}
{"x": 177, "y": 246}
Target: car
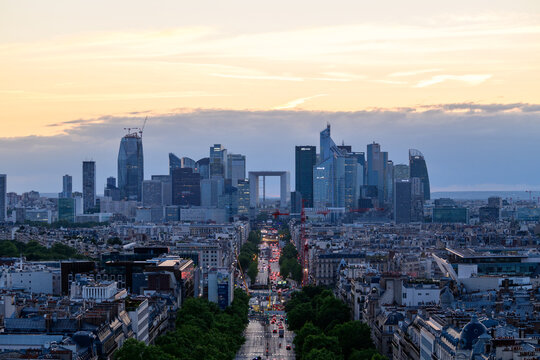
{"x": 274, "y": 331}
{"x": 288, "y": 347}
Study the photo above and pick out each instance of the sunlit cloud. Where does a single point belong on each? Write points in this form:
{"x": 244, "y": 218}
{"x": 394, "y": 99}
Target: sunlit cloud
{"x": 412, "y": 73}
{"x": 471, "y": 79}
{"x": 258, "y": 77}
{"x": 294, "y": 103}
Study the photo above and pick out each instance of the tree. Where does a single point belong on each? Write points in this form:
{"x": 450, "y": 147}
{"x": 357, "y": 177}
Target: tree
{"x": 352, "y": 335}
{"x": 321, "y": 341}
{"x": 8, "y": 249}
{"x": 302, "y": 334}
{"x": 332, "y": 311}
{"x": 366, "y": 354}
{"x": 321, "y": 354}
{"x": 298, "y": 316}
{"x": 253, "y": 270}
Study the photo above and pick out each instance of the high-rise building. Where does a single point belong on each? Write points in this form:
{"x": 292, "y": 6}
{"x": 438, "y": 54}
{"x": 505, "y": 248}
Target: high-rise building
{"x": 166, "y": 188}
{"x": 211, "y": 190}
{"x": 417, "y": 200}
{"x": 402, "y": 202}
{"x": 418, "y": 168}
{"x": 401, "y": 172}
{"x": 243, "y": 197}
{"x": 3, "y": 197}
{"x": 186, "y": 187}
{"x": 376, "y": 170}
{"x": 218, "y": 161}
{"x": 236, "y": 167}
{"x": 66, "y": 209}
{"x": 152, "y": 193}
{"x": 131, "y": 167}
{"x": 187, "y": 162}
{"x": 89, "y": 186}
{"x": 174, "y": 163}
{"x": 67, "y": 186}
{"x": 202, "y": 166}
{"x": 389, "y": 182}
{"x": 111, "y": 190}
{"x": 305, "y": 160}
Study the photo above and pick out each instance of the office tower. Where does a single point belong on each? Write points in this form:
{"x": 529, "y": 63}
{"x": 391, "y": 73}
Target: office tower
{"x": 389, "y": 182}
{"x": 89, "y": 186}
{"x": 67, "y": 186}
{"x": 3, "y": 197}
{"x": 174, "y": 163}
{"x": 243, "y": 197}
{"x": 187, "y": 162}
{"x": 66, "y": 209}
{"x": 111, "y": 182}
{"x": 166, "y": 188}
{"x": 495, "y": 202}
{"x": 211, "y": 190}
{"x": 228, "y": 200}
{"x": 203, "y": 167}
{"x": 329, "y": 173}
{"x": 305, "y": 160}
{"x": 418, "y": 168}
{"x": 401, "y": 172}
{"x": 376, "y": 170}
{"x": 417, "y": 200}
{"x": 131, "y": 167}
{"x": 152, "y": 193}
{"x": 353, "y": 180}
{"x": 236, "y": 167}
{"x": 402, "y": 202}
{"x": 296, "y": 202}
{"x": 322, "y": 184}
{"x": 111, "y": 190}
{"x": 186, "y": 187}
{"x": 218, "y": 161}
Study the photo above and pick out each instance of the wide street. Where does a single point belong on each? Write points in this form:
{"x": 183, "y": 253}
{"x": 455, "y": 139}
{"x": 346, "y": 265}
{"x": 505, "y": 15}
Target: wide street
{"x": 261, "y": 340}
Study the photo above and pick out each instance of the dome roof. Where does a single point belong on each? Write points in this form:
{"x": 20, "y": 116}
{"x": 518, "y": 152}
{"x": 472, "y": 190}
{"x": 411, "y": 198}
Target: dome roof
{"x": 470, "y": 333}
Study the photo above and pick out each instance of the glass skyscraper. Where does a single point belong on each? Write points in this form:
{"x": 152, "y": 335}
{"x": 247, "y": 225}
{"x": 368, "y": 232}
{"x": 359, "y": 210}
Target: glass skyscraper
{"x": 131, "y": 167}
{"x": 186, "y": 187}
{"x": 418, "y": 168}
{"x": 89, "y": 186}
{"x": 67, "y": 186}
{"x": 305, "y": 160}
{"x": 218, "y": 161}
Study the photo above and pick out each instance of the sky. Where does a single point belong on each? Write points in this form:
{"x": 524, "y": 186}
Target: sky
{"x": 458, "y": 80}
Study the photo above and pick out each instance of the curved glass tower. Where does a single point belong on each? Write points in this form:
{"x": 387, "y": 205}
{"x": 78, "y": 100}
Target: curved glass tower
{"x": 418, "y": 169}
{"x": 131, "y": 167}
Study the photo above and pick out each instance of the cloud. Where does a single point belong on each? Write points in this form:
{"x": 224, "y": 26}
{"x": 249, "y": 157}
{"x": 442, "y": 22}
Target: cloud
{"x": 258, "y": 77}
{"x": 294, "y": 103}
{"x": 412, "y": 73}
{"x": 470, "y": 79}
{"x": 462, "y": 149}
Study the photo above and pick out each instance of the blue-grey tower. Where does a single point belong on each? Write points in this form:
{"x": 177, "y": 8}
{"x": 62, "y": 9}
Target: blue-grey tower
{"x": 418, "y": 169}
{"x": 131, "y": 166}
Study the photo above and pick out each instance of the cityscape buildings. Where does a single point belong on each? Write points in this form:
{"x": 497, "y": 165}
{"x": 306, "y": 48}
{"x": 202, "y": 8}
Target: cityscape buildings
{"x": 67, "y": 186}
{"x": 305, "y": 160}
{"x": 89, "y": 186}
{"x": 131, "y": 166}
{"x": 3, "y": 197}
{"x": 418, "y": 168}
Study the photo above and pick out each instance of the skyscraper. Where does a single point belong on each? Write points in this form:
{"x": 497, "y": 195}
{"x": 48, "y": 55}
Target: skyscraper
{"x": 305, "y": 160}
{"x": 186, "y": 187}
{"x": 202, "y": 166}
{"x": 152, "y": 193}
{"x": 166, "y": 188}
{"x": 402, "y": 202}
{"x": 401, "y": 172}
{"x": 243, "y": 197}
{"x": 174, "y": 163}
{"x": 418, "y": 168}
{"x": 3, "y": 197}
{"x": 218, "y": 161}
{"x": 376, "y": 170}
{"x": 236, "y": 167}
{"x": 67, "y": 186}
{"x": 89, "y": 186}
{"x": 131, "y": 167}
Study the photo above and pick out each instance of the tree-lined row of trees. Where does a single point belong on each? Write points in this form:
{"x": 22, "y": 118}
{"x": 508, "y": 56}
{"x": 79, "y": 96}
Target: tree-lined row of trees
{"x": 288, "y": 263}
{"x": 248, "y": 257}
{"x": 324, "y": 330}
{"x": 34, "y": 251}
{"x": 203, "y": 331}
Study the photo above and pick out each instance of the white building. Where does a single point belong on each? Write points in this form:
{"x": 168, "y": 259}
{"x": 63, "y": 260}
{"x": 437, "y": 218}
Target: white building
{"x": 139, "y": 311}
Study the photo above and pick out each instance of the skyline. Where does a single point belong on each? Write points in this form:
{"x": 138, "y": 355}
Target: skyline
{"x": 454, "y": 159}
{"x": 64, "y": 61}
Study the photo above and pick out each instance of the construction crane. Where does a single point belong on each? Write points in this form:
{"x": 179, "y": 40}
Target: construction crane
{"x": 323, "y": 212}
{"x": 277, "y": 213}
{"x": 144, "y": 124}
